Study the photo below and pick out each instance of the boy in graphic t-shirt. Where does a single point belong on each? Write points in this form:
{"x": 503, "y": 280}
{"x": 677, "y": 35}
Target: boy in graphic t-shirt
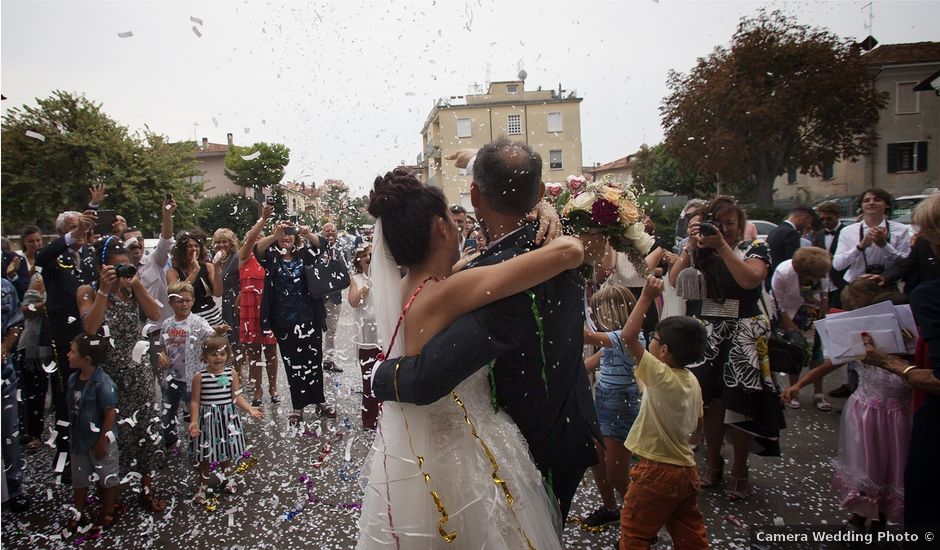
{"x": 664, "y": 486}
{"x": 181, "y": 336}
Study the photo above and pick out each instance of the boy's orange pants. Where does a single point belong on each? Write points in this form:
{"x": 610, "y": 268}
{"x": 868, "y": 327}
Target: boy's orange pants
{"x": 662, "y": 494}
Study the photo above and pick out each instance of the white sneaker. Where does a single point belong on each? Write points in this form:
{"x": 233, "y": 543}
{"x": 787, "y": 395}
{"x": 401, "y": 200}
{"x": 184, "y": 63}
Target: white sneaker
{"x": 820, "y": 400}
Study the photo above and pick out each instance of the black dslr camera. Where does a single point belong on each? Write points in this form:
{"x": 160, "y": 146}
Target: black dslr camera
{"x": 710, "y": 226}
{"x": 125, "y": 271}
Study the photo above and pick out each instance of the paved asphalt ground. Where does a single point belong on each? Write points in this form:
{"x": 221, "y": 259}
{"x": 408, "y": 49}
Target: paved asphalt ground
{"x": 275, "y": 508}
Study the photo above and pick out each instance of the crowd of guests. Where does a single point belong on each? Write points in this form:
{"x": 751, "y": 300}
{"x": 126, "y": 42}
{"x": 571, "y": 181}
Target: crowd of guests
{"x": 678, "y": 356}
{"x": 128, "y": 340}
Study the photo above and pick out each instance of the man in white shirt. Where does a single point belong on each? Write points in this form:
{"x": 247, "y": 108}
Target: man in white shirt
{"x": 152, "y": 267}
{"x": 874, "y": 245}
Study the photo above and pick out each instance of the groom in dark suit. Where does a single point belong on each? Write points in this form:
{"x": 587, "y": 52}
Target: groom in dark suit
{"x": 532, "y": 341}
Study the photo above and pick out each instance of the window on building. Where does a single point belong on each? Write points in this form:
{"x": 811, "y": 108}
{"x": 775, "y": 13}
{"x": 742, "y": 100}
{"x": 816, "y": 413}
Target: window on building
{"x": 512, "y": 89}
{"x": 907, "y": 100}
{"x": 828, "y": 171}
{"x": 908, "y": 156}
{"x": 514, "y": 124}
{"x": 791, "y": 175}
{"x": 463, "y": 127}
{"x": 554, "y": 160}
{"x": 554, "y": 122}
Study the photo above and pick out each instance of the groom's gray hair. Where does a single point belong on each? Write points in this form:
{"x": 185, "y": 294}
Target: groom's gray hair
{"x": 509, "y": 176}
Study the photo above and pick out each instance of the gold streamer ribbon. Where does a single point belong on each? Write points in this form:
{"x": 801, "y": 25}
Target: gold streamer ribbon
{"x": 500, "y": 482}
{"x": 448, "y": 537}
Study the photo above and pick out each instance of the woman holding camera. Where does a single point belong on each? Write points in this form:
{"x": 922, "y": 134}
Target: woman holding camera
{"x": 738, "y": 389}
{"x": 112, "y": 308}
{"x": 296, "y": 318}
{"x": 189, "y": 264}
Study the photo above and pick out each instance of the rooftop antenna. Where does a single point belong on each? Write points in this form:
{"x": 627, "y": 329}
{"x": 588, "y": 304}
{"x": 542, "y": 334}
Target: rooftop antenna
{"x": 870, "y": 16}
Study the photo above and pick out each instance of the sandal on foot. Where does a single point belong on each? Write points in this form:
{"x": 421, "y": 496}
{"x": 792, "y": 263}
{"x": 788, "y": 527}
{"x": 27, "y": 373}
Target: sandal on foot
{"x": 148, "y": 502}
{"x": 72, "y": 527}
{"x": 256, "y": 402}
{"x": 200, "y": 496}
{"x": 230, "y": 487}
{"x": 324, "y": 410}
{"x": 737, "y": 488}
{"x": 275, "y": 398}
{"x": 712, "y": 475}
{"x": 295, "y": 418}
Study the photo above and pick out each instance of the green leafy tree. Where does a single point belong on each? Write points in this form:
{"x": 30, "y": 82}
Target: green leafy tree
{"x": 781, "y": 95}
{"x": 82, "y": 146}
{"x": 654, "y": 169}
{"x": 260, "y": 172}
{"x": 237, "y": 212}
{"x": 337, "y": 204}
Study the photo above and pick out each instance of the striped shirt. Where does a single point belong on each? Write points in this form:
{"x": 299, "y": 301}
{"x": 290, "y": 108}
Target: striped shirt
{"x": 216, "y": 389}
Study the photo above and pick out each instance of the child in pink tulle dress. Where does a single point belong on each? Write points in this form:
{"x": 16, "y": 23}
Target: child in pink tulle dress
{"x": 873, "y": 442}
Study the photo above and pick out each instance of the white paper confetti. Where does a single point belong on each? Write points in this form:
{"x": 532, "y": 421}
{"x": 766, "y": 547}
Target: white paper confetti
{"x": 196, "y": 31}
{"x": 127, "y": 34}
{"x": 50, "y": 368}
{"x": 252, "y": 156}
{"x": 35, "y": 135}
{"x": 60, "y": 464}
{"x": 215, "y": 122}
{"x": 195, "y": 20}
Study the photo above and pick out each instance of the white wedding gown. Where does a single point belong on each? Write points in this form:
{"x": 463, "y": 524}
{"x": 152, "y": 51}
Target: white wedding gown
{"x": 398, "y": 510}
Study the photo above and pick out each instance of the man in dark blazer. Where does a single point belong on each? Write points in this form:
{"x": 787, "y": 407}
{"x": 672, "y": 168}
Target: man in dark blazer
{"x": 784, "y": 240}
{"x": 828, "y": 238}
{"x": 65, "y": 264}
{"x": 535, "y": 338}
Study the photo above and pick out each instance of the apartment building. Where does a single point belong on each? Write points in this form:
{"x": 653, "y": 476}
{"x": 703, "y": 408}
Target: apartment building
{"x": 907, "y": 157}
{"x": 548, "y": 120}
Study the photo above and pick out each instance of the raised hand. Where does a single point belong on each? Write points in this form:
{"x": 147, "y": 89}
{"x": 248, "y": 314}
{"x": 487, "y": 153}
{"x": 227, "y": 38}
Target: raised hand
{"x": 461, "y": 157}
{"x": 107, "y": 278}
{"x": 653, "y": 287}
{"x": 98, "y": 194}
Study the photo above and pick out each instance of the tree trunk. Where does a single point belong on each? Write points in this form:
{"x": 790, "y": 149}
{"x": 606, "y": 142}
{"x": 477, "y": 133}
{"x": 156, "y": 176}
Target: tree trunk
{"x": 765, "y": 189}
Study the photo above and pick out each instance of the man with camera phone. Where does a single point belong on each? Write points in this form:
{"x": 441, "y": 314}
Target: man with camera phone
{"x": 873, "y": 245}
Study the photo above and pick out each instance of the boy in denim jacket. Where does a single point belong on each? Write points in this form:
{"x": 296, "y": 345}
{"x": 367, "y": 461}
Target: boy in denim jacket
{"x": 92, "y": 402}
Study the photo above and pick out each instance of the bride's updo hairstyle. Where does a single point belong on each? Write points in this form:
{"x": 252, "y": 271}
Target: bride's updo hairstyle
{"x": 406, "y": 207}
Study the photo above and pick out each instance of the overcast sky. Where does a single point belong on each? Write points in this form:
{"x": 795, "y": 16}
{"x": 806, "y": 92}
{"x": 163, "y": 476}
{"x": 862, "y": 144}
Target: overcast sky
{"x": 347, "y": 85}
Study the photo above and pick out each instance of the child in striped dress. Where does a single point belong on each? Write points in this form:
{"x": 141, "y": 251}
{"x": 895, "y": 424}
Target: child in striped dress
{"x": 216, "y": 429}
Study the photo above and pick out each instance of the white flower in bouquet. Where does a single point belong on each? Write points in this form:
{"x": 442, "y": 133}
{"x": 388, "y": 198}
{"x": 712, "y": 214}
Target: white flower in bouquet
{"x": 640, "y": 239}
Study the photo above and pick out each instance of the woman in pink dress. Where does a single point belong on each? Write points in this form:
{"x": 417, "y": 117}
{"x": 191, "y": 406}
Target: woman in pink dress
{"x": 260, "y": 346}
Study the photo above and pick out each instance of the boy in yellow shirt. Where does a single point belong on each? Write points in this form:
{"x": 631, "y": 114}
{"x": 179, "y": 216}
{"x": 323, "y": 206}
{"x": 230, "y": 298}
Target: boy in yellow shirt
{"x": 664, "y": 486}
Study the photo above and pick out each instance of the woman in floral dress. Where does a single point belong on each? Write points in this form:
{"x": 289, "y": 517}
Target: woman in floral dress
{"x": 112, "y": 309}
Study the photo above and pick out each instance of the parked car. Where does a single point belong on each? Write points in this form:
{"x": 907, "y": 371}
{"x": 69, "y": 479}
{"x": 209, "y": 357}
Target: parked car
{"x": 763, "y": 228}
{"x": 903, "y": 207}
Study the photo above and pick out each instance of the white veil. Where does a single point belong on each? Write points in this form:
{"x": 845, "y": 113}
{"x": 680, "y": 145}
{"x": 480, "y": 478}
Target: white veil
{"x": 396, "y": 503}
{"x": 387, "y": 289}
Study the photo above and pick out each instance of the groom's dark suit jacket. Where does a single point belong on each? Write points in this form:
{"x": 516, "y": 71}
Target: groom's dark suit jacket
{"x": 559, "y": 424}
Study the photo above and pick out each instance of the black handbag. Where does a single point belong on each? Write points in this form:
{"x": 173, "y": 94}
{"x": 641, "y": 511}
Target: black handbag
{"x": 786, "y": 349}
{"x": 326, "y": 277}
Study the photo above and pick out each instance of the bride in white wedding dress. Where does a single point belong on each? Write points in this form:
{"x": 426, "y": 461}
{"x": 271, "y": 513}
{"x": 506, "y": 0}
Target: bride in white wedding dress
{"x": 456, "y": 473}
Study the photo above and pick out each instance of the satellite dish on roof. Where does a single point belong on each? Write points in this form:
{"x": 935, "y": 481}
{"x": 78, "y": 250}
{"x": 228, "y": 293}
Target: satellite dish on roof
{"x": 523, "y": 75}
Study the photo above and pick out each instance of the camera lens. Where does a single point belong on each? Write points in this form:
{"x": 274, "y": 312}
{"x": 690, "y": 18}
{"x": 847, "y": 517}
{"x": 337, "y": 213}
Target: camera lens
{"x": 125, "y": 271}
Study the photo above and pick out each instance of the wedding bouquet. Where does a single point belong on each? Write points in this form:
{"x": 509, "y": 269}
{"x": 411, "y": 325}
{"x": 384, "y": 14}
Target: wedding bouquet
{"x": 603, "y": 208}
